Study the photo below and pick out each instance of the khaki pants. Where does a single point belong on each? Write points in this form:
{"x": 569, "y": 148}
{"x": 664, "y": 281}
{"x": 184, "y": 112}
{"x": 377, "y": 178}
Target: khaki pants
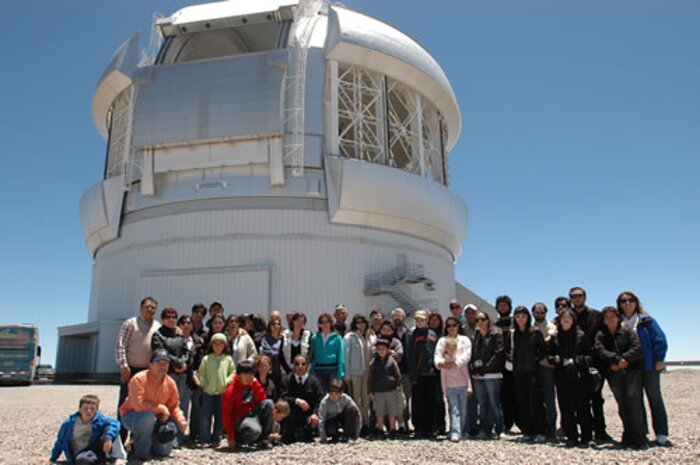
{"x": 358, "y": 391}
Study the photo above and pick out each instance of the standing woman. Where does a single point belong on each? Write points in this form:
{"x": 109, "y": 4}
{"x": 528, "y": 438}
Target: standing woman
{"x": 486, "y": 367}
{"x": 193, "y": 393}
{"x": 358, "y": 354}
{"x": 296, "y": 341}
{"x": 242, "y": 345}
{"x": 528, "y": 350}
{"x": 327, "y": 353}
{"x": 653, "y": 342}
{"x": 168, "y": 337}
{"x": 435, "y": 323}
{"x": 217, "y": 324}
{"x": 569, "y": 353}
{"x": 451, "y": 372}
{"x": 617, "y": 347}
{"x": 271, "y": 345}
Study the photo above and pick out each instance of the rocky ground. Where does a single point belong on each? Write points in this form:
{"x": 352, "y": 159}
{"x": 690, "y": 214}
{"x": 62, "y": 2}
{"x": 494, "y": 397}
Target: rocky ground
{"x": 30, "y": 417}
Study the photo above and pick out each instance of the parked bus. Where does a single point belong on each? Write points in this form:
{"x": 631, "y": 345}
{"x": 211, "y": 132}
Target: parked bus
{"x": 19, "y": 348}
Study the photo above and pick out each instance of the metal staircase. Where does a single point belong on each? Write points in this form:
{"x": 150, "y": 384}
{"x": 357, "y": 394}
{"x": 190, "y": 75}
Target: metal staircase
{"x": 389, "y": 283}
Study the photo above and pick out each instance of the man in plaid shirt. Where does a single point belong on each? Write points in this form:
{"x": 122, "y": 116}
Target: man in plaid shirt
{"x": 133, "y": 348}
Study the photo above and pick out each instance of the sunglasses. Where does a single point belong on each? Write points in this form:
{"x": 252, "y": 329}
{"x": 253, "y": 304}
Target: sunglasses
{"x": 563, "y": 304}
{"x": 451, "y": 326}
{"x": 149, "y": 307}
{"x": 576, "y": 296}
{"x": 628, "y": 301}
{"x": 540, "y": 312}
{"x": 169, "y": 317}
{"x": 481, "y": 319}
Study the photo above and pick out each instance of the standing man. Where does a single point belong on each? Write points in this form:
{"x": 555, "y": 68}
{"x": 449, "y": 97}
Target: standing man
{"x": 197, "y": 315}
{"x": 341, "y": 319}
{"x": 469, "y": 321}
{"x": 402, "y": 333}
{"x": 425, "y": 378}
{"x": 504, "y": 305}
{"x": 456, "y": 310}
{"x": 591, "y": 321}
{"x": 152, "y": 410}
{"x": 133, "y": 347}
{"x": 469, "y": 329}
{"x": 375, "y": 320}
{"x": 214, "y": 308}
{"x": 548, "y": 329}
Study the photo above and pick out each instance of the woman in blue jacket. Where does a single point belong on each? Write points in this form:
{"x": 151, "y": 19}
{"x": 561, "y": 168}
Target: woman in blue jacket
{"x": 327, "y": 353}
{"x": 653, "y": 342}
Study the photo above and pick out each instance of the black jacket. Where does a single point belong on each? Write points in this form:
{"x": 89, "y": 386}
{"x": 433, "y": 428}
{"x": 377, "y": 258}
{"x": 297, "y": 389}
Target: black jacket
{"x": 174, "y": 343}
{"x": 488, "y": 350}
{"x": 528, "y": 351}
{"x": 590, "y": 321}
{"x": 384, "y": 374}
{"x": 569, "y": 345}
{"x": 610, "y": 348}
{"x": 311, "y": 391}
{"x": 420, "y": 353}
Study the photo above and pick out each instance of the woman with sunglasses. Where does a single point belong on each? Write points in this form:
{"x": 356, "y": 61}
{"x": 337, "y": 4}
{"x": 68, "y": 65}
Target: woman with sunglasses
{"x": 527, "y": 345}
{"x": 193, "y": 393}
{"x": 653, "y": 342}
{"x": 486, "y": 367}
{"x": 358, "y": 355}
{"x": 327, "y": 353}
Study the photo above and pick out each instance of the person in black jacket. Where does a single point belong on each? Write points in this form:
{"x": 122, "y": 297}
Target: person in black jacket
{"x": 617, "y": 347}
{"x": 486, "y": 367}
{"x": 425, "y": 382}
{"x": 193, "y": 393}
{"x": 590, "y": 321}
{"x": 504, "y": 305}
{"x": 303, "y": 392}
{"x": 528, "y": 349}
{"x": 569, "y": 352}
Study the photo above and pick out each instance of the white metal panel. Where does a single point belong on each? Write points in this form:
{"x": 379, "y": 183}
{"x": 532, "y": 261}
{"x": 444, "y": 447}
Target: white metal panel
{"x": 225, "y": 9}
{"x": 116, "y": 77}
{"x": 357, "y": 39}
{"x": 379, "y": 196}
{"x": 212, "y": 155}
{"x": 211, "y": 100}
{"x": 100, "y": 212}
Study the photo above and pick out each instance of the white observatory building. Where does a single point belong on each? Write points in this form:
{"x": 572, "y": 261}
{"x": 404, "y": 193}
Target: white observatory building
{"x": 270, "y": 154}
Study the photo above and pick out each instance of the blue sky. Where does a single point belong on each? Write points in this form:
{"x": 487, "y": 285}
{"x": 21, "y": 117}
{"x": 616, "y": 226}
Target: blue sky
{"x": 579, "y": 155}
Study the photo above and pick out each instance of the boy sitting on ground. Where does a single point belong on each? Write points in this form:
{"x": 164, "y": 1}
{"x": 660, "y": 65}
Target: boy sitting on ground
{"x": 279, "y": 413}
{"x": 87, "y": 436}
{"x": 338, "y": 410}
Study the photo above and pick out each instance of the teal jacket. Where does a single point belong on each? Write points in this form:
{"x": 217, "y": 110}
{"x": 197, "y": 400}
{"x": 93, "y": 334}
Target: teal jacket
{"x": 328, "y": 356}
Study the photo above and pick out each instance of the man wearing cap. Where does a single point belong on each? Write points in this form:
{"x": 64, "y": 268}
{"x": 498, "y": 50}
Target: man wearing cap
{"x": 152, "y": 410}
{"x": 469, "y": 321}
{"x": 133, "y": 347}
{"x": 425, "y": 380}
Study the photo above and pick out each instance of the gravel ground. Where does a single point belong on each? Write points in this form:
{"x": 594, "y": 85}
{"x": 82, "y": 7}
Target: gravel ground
{"x": 30, "y": 417}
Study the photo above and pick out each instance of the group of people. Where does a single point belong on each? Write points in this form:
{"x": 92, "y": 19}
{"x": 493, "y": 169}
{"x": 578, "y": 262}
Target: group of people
{"x": 255, "y": 383}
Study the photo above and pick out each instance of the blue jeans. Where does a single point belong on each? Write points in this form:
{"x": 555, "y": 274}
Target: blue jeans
{"x": 141, "y": 425}
{"x": 211, "y": 406}
{"x": 547, "y": 380}
{"x": 459, "y": 413}
{"x": 185, "y": 395}
{"x": 488, "y": 395}
{"x": 651, "y": 381}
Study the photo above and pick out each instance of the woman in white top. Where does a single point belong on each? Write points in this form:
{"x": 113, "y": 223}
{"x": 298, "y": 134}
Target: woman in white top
{"x": 242, "y": 345}
{"x": 296, "y": 340}
{"x": 358, "y": 354}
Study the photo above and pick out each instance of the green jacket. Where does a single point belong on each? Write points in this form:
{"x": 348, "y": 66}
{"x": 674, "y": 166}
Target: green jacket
{"x": 216, "y": 373}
